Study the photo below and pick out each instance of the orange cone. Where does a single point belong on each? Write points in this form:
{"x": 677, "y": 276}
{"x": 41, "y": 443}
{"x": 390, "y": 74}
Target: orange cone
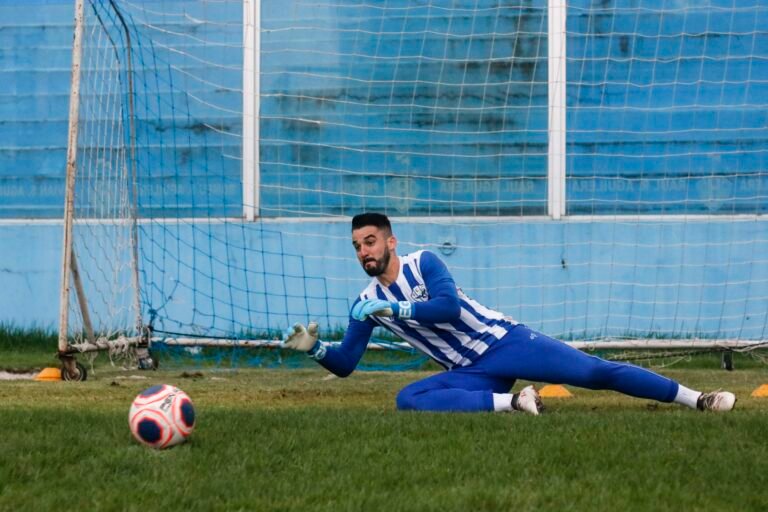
{"x": 49, "y": 375}
{"x": 761, "y": 392}
{"x": 555, "y": 391}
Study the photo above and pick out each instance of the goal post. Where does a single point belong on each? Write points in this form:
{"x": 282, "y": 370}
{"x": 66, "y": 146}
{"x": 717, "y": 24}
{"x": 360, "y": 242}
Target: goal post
{"x": 68, "y": 260}
{"x": 597, "y": 172}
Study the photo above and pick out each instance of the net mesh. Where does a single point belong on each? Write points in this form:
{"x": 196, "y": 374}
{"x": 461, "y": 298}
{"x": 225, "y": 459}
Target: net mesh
{"x": 437, "y": 114}
{"x": 103, "y": 302}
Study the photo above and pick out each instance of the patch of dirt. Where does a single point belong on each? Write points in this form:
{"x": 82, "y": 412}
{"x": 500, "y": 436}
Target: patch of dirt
{"x": 18, "y": 373}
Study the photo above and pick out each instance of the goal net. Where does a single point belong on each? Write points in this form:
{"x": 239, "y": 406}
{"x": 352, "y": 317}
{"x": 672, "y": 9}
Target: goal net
{"x": 597, "y": 172}
{"x": 100, "y": 306}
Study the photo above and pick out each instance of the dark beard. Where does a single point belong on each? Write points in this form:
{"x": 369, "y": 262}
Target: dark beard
{"x": 381, "y": 265}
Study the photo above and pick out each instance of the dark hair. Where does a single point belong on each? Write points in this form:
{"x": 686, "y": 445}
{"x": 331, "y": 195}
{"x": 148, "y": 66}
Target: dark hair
{"x": 371, "y": 219}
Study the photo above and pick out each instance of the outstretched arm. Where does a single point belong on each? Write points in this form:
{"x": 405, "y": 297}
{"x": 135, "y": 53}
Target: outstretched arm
{"x": 342, "y": 360}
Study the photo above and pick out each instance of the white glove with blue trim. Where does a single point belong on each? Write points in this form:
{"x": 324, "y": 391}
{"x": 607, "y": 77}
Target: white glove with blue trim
{"x": 304, "y": 339}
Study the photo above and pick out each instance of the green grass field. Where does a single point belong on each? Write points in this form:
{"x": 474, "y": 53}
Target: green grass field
{"x": 295, "y": 439}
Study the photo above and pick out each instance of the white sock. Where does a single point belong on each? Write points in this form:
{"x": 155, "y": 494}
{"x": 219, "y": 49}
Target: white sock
{"x": 687, "y": 396}
{"x": 502, "y": 401}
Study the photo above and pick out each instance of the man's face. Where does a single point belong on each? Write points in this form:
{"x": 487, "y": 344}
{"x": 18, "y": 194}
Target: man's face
{"x": 374, "y": 249}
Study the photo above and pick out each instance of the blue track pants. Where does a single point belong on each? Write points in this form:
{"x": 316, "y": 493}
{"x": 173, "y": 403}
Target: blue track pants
{"x": 529, "y": 355}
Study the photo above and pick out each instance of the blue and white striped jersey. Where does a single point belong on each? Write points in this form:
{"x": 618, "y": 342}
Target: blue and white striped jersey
{"x": 457, "y": 342}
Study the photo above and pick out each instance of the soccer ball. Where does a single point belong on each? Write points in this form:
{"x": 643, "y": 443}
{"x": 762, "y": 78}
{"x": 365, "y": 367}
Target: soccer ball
{"x": 161, "y": 416}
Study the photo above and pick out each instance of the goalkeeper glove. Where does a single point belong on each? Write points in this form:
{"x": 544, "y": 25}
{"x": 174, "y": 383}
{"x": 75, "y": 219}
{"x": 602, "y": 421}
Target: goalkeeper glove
{"x": 305, "y": 340}
{"x": 378, "y": 307}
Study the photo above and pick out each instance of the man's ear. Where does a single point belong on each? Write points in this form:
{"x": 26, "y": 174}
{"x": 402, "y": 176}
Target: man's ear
{"x": 392, "y": 243}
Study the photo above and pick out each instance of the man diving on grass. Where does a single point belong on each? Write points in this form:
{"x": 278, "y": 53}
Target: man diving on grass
{"x": 483, "y": 352}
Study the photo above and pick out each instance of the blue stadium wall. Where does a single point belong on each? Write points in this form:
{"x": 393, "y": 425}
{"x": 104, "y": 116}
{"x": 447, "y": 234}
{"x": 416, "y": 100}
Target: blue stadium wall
{"x": 574, "y": 286}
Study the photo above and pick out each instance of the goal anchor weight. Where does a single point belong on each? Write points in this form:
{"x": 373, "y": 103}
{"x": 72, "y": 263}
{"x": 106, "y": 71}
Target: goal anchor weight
{"x": 726, "y": 362}
{"x": 145, "y": 358}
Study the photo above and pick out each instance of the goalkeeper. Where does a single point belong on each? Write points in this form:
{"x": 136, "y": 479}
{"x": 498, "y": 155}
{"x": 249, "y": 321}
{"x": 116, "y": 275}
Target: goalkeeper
{"x": 484, "y": 352}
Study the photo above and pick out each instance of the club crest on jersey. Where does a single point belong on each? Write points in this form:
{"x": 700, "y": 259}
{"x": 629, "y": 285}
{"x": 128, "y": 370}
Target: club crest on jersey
{"x": 419, "y": 293}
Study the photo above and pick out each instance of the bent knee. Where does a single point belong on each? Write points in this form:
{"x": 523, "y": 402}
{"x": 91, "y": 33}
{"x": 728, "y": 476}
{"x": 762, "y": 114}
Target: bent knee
{"x": 405, "y": 400}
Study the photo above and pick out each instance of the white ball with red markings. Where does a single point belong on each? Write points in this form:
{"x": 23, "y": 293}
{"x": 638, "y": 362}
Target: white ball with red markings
{"x": 162, "y": 416}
